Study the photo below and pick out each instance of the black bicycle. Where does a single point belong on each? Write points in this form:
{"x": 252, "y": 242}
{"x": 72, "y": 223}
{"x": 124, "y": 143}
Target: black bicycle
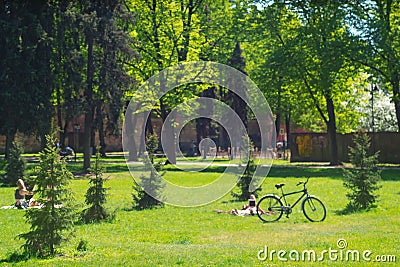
{"x": 271, "y": 208}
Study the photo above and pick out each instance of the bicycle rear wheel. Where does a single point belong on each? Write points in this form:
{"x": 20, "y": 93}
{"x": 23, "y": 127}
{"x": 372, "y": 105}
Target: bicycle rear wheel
{"x": 313, "y": 209}
{"x": 269, "y": 208}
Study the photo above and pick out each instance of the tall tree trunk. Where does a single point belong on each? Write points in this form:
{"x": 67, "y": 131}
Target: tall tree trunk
{"x": 186, "y": 25}
{"x": 63, "y": 135}
{"x": 278, "y": 123}
{"x": 149, "y": 126}
{"x": 287, "y": 122}
{"x": 59, "y": 117}
{"x": 278, "y": 108}
{"x": 89, "y": 112}
{"x": 131, "y": 122}
{"x": 396, "y": 96}
{"x": 102, "y": 136}
{"x": 171, "y": 143}
{"x": 142, "y": 145}
{"x": 10, "y": 136}
{"x": 87, "y": 140}
{"x": 331, "y": 125}
{"x": 203, "y": 125}
{"x": 93, "y": 137}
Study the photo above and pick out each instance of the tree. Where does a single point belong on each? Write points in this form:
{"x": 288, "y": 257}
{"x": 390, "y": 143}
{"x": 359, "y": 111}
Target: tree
{"x": 238, "y": 62}
{"x": 151, "y": 186}
{"x": 245, "y": 180}
{"x": 164, "y": 32}
{"x": 273, "y": 71}
{"x": 317, "y": 53}
{"x": 16, "y": 166}
{"x": 26, "y": 78}
{"x": 363, "y": 179}
{"x": 96, "y": 195}
{"x": 106, "y": 79}
{"x": 377, "y": 112}
{"x": 378, "y": 26}
{"x": 55, "y": 216}
{"x": 68, "y": 65}
{"x": 216, "y": 39}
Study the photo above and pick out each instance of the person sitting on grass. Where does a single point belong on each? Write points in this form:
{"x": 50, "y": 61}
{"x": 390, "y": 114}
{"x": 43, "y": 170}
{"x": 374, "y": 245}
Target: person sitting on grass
{"x": 19, "y": 195}
{"x": 248, "y": 209}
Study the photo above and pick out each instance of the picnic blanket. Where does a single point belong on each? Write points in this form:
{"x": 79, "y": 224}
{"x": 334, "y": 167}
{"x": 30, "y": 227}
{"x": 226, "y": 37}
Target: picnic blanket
{"x": 15, "y": 208}
{"x": 9, "y": 207}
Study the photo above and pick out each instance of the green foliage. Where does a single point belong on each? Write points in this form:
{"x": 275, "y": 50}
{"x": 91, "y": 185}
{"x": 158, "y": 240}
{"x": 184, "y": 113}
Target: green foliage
{"x": 3, "y": 166}
{"x": 245, "y": 180}
{"x": 26, "y": 80}
{"x": 96, "y": 195}
{"x": 151, "y": 184}
{"x": 16, "y": 166}
{"x": 363, "y": 179}
{"x": 151, "y": 146}
{"x": 55, "y": 216}
{"x": 380, "y": 23}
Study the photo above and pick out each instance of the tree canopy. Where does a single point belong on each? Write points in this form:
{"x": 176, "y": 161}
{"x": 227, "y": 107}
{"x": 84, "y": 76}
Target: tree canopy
{"x": 315, "y": 62}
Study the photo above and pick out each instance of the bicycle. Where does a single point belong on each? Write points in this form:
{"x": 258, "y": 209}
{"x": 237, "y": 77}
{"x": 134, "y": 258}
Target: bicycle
{"x": 270, "y": 207}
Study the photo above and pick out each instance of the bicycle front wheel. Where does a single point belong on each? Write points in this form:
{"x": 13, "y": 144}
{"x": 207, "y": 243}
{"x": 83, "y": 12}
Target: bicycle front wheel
{"x": 313, "y": 209}
{"x": 269, "y": 208}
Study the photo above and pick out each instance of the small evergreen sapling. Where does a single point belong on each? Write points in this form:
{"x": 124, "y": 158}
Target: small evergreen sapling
{"x": 55, "y": 217}
{"x": 363, "y": 179}
{"x": 246, "y": 178}
{"x": 96, "y": 195}
{"x": 16, "y": 165}
{"x": 151, "y": 185}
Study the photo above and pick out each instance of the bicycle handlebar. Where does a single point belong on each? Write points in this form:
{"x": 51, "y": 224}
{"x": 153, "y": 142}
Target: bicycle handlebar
{"x": 300, "y": 183}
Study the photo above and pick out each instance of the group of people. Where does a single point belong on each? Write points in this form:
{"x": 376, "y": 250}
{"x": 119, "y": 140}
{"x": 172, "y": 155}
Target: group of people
{"x": 24, "y": 196}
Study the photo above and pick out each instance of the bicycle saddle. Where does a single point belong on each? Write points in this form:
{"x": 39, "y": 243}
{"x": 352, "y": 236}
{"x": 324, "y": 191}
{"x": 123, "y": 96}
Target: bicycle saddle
{"x": 279, "y": 186}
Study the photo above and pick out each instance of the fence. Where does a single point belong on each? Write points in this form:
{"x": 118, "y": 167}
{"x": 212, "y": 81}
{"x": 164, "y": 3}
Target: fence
{"x": 315, "y": 146}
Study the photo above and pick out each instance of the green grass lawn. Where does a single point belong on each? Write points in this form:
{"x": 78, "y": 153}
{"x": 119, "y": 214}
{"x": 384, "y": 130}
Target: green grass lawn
{"x": 173, "y": 236}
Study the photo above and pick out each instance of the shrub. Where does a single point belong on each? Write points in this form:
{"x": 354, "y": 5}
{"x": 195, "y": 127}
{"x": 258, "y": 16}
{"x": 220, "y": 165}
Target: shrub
{"x": 55, "y": 217}
{"x": 242, "y": 193}
{"x": 3, "y": 165}
{"x": 363, "y": 179}
{"x": 96, "y": 195}
{"x": 16, "y": 166}
{"x": 152, "y": 184}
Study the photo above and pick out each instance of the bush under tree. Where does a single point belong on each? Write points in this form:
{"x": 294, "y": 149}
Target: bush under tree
{"x": 363, "y": 178}
{"x": 96, "y": 195}
{"x": 16, "y": 165}
{"x": 3, "y": 165}
{"x": 50, "y": 223}
{"x": 151, "y": 184}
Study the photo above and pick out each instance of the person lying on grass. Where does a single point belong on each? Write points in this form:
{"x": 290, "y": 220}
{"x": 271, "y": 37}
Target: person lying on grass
{"x": 248, "y": 209}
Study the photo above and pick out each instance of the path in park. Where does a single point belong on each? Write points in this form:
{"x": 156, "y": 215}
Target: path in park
{"x": 311, "y": 165}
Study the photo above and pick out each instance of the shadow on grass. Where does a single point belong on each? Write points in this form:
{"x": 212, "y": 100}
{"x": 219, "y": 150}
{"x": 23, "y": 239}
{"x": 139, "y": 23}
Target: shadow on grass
{"x": 109, "y": 168}
{"x": 333, "y": 173}
{"x": 219, "y": 169}
{"x": 305, "y": 172}
{"x": 351, "y": 209}
{"x": 234, "y": 201}
{"x": 16, "y": 257}
{"x": 133, "y": 208}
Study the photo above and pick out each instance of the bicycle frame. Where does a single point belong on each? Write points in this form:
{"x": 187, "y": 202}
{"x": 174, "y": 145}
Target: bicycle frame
{"x": 304, "y": 191}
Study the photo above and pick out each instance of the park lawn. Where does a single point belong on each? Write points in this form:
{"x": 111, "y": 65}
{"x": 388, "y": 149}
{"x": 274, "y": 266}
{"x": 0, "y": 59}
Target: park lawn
{"x": 173, "y": 236}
